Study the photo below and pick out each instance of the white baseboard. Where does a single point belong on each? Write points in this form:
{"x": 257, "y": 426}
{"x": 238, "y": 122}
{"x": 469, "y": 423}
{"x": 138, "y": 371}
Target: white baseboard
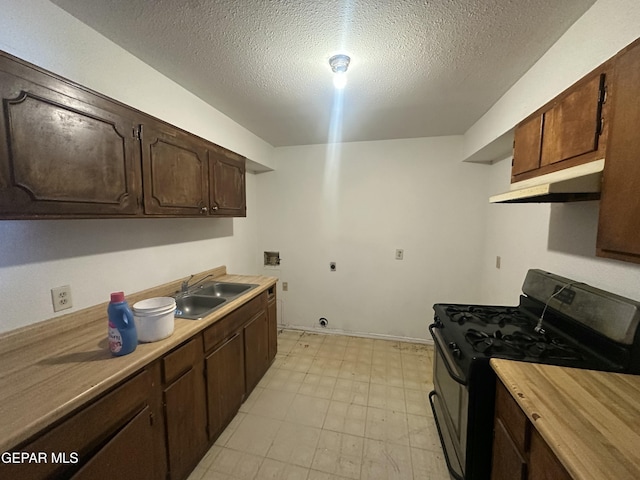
{"x": 376, "y": 336}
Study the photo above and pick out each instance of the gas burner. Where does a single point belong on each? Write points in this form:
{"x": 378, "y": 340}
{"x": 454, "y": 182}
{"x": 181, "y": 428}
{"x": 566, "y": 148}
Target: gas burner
{"x": 555, "y": 349}
{"x": 492, "y": 344}
{"x": 483, "y": 315}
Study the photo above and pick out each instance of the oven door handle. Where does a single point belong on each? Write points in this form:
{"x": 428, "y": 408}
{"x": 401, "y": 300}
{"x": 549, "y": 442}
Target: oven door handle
{"x": 449, "y": 363}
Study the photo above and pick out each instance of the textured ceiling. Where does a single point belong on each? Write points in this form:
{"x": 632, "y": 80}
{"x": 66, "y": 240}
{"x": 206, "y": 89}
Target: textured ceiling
{"x": 418, "y": 68}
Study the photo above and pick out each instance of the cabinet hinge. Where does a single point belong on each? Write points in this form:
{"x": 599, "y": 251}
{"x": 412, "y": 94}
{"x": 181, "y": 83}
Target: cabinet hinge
{"x": 137, "y": 132}
{"x": 603, "y": 94}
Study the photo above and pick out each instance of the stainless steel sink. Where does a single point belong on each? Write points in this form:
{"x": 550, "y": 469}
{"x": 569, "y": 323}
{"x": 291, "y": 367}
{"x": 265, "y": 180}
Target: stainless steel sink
{"x": 221, "y": 289}
{"x": 200, "y": 301}
{"x": 197, "y": 306}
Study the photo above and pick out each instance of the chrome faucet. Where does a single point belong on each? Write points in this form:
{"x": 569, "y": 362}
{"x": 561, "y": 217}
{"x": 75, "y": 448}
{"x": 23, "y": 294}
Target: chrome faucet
{"x": 185, "y": 285}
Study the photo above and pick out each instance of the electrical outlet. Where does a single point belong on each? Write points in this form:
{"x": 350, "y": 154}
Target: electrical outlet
{"x": 285, "y": 286}
{"x": 61, "y": 298}
{"x": 332, "y": 266}
{"x": 498, "y": 262}
{"x": 399, "y": 254}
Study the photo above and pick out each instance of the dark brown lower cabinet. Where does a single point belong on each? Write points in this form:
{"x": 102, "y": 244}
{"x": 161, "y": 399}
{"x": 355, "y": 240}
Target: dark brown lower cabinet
{"x": 507, "y": 460}
{"x": 158, "y": 424}
{"x": 114, "y": 437}
{"x": 543, "y": 464}
{"x": 519, "y": 452}
{"x": 108, "y": 462}
{"x": 185, "y": 408}
{"x": 256, "y": 349}
{"x": 225, "y": 382}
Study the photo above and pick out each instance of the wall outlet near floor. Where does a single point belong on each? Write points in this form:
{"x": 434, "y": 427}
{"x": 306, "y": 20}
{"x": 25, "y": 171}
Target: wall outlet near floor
{"x": 332, "y": 266}
{"x": 399, "y": 254}
{"x": 323, "y": 322}
{"x": 498, "y": 261}
{"x": 285, "y": 286}
{"x": 61, "y": 298}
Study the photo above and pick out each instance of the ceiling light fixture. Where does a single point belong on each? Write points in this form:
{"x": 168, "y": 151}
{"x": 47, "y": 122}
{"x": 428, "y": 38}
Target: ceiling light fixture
{"x": 339, "y": 64}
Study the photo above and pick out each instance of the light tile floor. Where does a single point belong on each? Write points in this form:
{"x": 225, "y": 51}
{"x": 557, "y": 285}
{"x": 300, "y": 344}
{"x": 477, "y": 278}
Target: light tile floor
{"x": 334, "y": 407}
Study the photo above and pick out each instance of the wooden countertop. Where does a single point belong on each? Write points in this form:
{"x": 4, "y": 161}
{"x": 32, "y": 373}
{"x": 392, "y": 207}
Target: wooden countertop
{"x": 49, "y": 369}
{"x": 591, "y": 420}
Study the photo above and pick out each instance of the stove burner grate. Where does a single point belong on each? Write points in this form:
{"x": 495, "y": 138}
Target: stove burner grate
{"x": 484, "y": 315}
{"x": 520, "y": 344}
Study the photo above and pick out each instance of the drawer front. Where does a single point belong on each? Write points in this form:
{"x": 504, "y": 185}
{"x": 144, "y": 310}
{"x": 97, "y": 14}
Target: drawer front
{"x": 513, "y": 418}
{"x": 84, "y": 432}
{"x": 181, "y": 360}
{"x": 228, "y": 325}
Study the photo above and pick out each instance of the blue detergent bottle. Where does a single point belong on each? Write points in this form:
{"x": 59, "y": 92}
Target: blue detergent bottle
{"x": 123, "y": 338}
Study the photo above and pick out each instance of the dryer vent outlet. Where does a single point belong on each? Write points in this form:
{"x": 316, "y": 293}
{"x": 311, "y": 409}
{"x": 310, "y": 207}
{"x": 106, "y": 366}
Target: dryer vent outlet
{"x": 323, "y": 322}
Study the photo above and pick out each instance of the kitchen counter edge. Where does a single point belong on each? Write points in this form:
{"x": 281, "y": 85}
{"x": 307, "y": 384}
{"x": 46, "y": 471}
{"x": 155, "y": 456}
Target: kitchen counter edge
{"x": 590, "y": 419}
{"x": 50, "y": 369}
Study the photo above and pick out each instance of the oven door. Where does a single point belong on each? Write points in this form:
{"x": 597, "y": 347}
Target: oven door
{"x": 450, "y": 403}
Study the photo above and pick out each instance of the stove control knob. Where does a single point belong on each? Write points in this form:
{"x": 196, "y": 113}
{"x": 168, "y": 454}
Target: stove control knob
{"x": 457, "y": 352}
{"x": 453, "y": 346}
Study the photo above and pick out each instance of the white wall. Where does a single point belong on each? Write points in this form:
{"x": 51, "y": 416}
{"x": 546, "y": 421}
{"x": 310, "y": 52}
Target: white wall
{"x": 559, "y": 238}
{"x": 355, "y": 205}
{"x": 99, "y": 256}
{"x": 96, "y": 257}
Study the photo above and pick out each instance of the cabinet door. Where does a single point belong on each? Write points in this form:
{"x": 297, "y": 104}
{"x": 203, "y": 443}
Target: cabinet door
{"x": 227, "y": 182}
{"x": 129, "y": 455}
{"x": 543, "y": 464}
{"x": 273, "y": 327}
{"x": 572, "y": 127}
{"x": 175, "y": 171}
{"x": 185, "y": 420}
{"x": 526, "y": 146}
{"x": 619, "y": 221}
{"x": 507, "y": 463}
{"x": 107, "y": 423}
{"x": 256, "y": 349}
{"x": 225, "y": 383}
{"x": 63, "y": 150}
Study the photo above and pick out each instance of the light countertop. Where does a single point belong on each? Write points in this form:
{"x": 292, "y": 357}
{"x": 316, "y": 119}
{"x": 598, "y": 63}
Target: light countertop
{"x": 49, "y": 369}
{"x": 590, "y": 419}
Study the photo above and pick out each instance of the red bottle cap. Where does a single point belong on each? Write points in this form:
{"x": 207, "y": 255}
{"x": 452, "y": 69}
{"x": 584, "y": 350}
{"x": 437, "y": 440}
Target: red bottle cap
{"x": 117, "y": 297}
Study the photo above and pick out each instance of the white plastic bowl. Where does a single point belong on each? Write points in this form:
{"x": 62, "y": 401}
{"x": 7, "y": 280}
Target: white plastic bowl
{"x": 156, "y": 304}
{"x": 154, "y": 326}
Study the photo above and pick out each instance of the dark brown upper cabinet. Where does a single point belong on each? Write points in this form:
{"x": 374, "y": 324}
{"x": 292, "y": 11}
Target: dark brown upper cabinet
{"x": 63, "y": 150}
{"x": 572, "y": 127}
{"x": 68, "y": 152}
{"x": 175, "y": 166}
{"x": 227, "y": 183}
{"x": 568, "y": 131}
{"x": 619, "y": 221}
{"x": 527, "y": 146}
{"x": 596, "y": 118}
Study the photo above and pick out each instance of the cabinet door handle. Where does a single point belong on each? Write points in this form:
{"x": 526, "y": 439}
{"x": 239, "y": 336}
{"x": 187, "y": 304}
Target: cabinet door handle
{"x": 214, "y": 208}
{"x": 204, "y": 210}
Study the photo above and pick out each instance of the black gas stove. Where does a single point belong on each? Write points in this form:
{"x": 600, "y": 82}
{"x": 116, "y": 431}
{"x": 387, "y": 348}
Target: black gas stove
{"x": 558, "y": 321}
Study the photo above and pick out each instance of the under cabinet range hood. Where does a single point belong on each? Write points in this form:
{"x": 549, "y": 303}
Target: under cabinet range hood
{"x": 579, "y": 183}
